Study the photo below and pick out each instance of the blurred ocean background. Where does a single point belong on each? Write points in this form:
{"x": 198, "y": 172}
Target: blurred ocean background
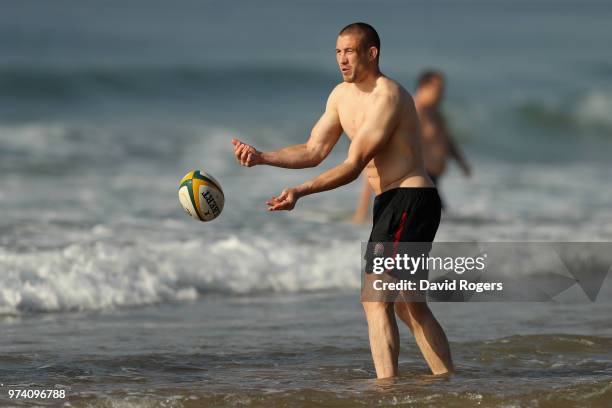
{"x": 109, "y": 291}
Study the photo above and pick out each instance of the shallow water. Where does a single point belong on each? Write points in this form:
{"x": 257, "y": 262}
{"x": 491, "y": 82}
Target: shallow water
{"x": 307, "y": 350}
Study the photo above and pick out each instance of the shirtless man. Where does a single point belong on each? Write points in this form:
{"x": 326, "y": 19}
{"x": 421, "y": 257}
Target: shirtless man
{"x": 380, "y": 119}
{"x": 438, "y": 144}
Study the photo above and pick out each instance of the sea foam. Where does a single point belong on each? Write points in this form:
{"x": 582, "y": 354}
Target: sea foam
{"x": 103, "y": 274}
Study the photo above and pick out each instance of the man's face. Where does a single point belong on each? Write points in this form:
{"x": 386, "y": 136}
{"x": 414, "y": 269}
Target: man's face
{"x": 352, "y": 60}
{"x": 433, "y": 92}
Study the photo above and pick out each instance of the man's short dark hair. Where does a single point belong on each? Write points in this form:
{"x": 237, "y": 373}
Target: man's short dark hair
{"x": 369, "y": 36}
{"x": 428, "y": 76}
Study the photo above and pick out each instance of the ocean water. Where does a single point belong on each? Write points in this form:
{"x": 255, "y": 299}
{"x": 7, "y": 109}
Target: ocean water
{"x": 109, "y": 291}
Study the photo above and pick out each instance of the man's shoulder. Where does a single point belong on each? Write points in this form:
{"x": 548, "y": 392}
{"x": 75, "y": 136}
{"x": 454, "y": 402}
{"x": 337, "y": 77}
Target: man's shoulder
{"x": 339, "y": 89}
{"x": 388, "y": 88}
{"x": 336, "y": 94}
{"x": 390, "y": 95}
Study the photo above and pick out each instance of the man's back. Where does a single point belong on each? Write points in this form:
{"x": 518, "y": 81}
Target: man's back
{"x": 399, "y": 162}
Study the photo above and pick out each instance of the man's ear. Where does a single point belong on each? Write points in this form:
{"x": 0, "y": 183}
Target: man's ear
{"x": 373, "y": 53}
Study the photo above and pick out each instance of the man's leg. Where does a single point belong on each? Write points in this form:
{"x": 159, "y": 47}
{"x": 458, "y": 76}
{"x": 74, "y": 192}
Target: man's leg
{"x": 384, "y": 337}
{"x": 428, "y": 334}
{"x": 363, "y": 203}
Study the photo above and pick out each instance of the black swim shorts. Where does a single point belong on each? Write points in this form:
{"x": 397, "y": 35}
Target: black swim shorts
{"x": 410, "y": 214}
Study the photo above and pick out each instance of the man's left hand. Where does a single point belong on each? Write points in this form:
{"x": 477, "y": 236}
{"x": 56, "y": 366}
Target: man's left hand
{"x": 285, "y": 201}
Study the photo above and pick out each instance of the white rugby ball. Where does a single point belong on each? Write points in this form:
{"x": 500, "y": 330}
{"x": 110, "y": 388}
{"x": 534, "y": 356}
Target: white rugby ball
{"x": 201, "y": 195}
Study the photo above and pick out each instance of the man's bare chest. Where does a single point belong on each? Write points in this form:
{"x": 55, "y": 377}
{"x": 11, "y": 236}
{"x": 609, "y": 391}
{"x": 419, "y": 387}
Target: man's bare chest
{"x": 352, "y": 116}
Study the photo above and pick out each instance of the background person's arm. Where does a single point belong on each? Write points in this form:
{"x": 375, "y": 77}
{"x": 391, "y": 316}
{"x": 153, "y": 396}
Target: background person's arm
{"x": 379, "y": 124}
{"x": 453, "y": 149}
{"x": 323, "y": 138}
{"x": 456, "y": 154}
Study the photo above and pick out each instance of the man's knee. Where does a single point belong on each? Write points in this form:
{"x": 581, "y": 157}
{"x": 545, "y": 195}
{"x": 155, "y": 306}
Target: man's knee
{"x": 419, "y": 311}
{"x": 400, "y": 307}
{"x": 401, "y": 310}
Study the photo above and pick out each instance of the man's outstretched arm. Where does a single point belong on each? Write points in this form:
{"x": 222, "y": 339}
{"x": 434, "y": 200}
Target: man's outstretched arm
{"x": 380, "y": 122}
{"x": 322, "y": 139}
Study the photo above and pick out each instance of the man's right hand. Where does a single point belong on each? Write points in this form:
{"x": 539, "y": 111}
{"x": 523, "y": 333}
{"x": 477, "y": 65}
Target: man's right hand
{"x": 246, "y": 154}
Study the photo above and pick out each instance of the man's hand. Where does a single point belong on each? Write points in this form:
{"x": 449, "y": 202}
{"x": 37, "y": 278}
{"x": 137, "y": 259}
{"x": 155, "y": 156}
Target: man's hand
{"x": 285, "y": 201}
{"x": 246, "y": 154}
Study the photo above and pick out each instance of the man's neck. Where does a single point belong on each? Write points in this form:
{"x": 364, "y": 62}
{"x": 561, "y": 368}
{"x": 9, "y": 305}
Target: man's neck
{"x": 368, "y": 82}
